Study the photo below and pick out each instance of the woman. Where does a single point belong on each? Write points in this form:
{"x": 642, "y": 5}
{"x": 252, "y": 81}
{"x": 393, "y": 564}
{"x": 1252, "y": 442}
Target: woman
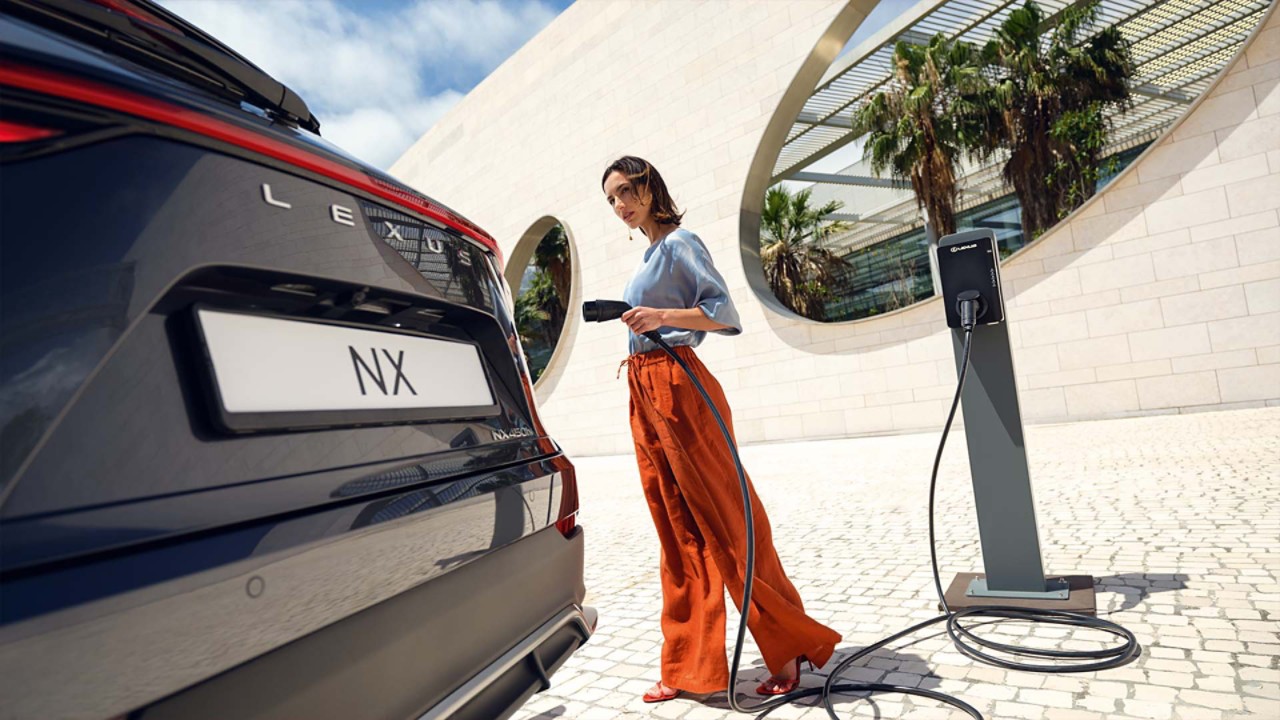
{"x": 686, "y": 469}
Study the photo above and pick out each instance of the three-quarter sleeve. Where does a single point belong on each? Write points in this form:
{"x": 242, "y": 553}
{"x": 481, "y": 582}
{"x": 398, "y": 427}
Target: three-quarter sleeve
{"x": 710, "y": 292}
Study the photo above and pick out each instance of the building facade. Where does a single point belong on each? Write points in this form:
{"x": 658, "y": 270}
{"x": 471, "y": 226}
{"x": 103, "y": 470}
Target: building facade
{"x": 1160, "y": 294}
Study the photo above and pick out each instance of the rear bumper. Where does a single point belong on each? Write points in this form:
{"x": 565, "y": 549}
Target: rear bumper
{"x": 523, "y": 670}
{"x": 476, "y": 642}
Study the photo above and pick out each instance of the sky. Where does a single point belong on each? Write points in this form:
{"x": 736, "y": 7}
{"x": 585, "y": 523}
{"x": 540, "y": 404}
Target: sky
{"x": 379, "y": 73}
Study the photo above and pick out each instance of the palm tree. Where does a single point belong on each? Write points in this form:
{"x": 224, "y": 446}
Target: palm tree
{"x": 552, "y": 256}
{"x": 531, "y": 318}
{"x": 535, "y": 323}
{"x": 1046, "y": 106}
{"x": 796, "y": 265}
{"x": 920, "y": 126}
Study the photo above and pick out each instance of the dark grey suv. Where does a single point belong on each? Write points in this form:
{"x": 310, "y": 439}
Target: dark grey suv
{"x": 269, "y": 443}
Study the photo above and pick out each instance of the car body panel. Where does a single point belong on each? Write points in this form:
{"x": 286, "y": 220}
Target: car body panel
{"x": 150, "y": 550}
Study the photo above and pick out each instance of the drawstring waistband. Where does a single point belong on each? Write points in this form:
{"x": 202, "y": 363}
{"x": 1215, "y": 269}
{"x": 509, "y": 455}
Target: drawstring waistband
{"x": 658, "y": 355}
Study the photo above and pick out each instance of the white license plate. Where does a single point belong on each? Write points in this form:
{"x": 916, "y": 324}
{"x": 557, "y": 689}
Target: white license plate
{"x": 271, "y": 365}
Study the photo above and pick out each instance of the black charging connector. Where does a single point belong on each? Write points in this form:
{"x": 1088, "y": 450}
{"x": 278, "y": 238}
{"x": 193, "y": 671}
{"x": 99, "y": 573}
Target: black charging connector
{"x": 971, "y": 306}
{"x": 602, "y": 310}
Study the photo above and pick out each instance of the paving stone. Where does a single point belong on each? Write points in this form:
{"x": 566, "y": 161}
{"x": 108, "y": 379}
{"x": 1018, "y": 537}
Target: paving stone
{"x": 1171, "y": 679}
{"x": 1018, "y": 710}
{"x": 1186, "y": 712}
{"x": 1152, "y": 693}
{"x": 1146, "y": 709}
{"x": 1105, "y": 705}
{"x": 1221, "y": 701}
{"x": 1109, "y": 689}
{"x": 1263, "y": 707}
{"x": 1267, "y": 690}
{"x": 1060, "y": 714}
{"x": 995, "y": 692}
{"x": 1200, "y": 589}
{"x": 1046, "y": 698}
{"x": 1216, "y": 684}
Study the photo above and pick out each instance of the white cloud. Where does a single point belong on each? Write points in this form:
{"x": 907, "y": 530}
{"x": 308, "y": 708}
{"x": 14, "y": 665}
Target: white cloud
{"x": 377, "y": 81}
{"x": 377, "y": 132}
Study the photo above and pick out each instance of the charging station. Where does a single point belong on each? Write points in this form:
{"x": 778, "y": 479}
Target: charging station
{"x": 969, "y": 268}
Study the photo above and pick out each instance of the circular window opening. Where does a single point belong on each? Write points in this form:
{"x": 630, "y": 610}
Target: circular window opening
{"x": 908, "y": 136}
{"x": 542, "y": 301}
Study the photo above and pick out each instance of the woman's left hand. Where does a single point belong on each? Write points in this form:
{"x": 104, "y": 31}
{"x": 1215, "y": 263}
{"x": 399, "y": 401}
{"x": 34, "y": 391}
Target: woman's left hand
{"x": 643, "y": 319}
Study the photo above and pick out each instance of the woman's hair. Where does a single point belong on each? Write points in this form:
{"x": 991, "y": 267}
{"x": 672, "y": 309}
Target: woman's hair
{"x": 645, "y": 178}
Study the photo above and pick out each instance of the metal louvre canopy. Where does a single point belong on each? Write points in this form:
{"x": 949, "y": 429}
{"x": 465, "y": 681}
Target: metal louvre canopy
{"x": 1178, "y": 47}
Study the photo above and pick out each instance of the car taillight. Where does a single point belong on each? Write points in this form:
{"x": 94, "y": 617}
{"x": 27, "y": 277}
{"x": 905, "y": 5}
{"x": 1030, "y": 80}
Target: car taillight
{"x": 568, "y": 516}
{"x": 12, "y": 132}
{"x": 118, "y": 99}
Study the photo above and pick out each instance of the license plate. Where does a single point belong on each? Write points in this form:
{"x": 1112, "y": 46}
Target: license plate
{"x": 270, "y": 372}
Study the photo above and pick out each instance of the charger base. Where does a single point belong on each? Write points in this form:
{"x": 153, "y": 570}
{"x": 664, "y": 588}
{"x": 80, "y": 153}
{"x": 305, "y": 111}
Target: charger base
{"x": 1055, "y": 589}
{"x": 1078, "y": 597}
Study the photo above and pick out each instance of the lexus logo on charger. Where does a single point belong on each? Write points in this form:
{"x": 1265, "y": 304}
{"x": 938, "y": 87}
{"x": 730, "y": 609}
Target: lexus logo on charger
{"x": 970, "y": 246}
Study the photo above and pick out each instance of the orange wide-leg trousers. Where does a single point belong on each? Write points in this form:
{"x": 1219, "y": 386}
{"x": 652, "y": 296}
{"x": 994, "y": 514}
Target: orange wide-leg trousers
{"x": 692, "y": 489}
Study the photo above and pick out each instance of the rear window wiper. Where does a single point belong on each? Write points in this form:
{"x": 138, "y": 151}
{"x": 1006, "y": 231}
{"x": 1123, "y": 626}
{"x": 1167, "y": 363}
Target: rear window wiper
{"x": 188, "y": 50}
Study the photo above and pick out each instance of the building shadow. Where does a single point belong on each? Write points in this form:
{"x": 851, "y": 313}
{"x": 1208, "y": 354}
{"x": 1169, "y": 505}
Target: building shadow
{"x": 1135, "y": 587}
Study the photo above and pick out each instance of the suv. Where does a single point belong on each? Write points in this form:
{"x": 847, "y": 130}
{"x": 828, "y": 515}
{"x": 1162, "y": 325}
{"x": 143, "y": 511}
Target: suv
{"x": 269, "y": 442}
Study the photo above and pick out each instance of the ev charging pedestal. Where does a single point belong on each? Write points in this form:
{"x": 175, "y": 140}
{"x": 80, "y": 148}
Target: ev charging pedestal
{"x": 1007, "y": 528}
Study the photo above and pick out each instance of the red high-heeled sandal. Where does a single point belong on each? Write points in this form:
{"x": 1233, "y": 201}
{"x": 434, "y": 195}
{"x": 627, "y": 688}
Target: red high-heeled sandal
{"x": 774, "y": 686}
{"x": 662, "y": 695}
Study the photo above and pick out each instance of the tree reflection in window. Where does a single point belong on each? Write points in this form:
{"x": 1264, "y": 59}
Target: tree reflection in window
{"x": 543, "y": 300}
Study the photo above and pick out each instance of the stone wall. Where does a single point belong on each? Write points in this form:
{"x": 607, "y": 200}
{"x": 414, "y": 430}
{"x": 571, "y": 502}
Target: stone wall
{"x": 1162, "y": 294}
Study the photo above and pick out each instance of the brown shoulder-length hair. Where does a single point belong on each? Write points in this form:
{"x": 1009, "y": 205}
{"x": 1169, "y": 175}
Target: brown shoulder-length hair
{"x": 645, "y": 179}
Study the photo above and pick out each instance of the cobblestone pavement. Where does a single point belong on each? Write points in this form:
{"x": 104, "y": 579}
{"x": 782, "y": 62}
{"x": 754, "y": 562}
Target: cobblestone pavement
{"x": 1175, "y": 516}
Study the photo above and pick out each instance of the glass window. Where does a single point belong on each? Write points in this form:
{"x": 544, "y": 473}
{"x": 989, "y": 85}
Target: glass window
{"x": 542, "y": 301}
{"x": 894, "y": 273}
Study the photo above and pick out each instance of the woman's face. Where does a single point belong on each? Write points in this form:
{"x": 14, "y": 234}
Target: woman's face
{"x": 625, "y": 200}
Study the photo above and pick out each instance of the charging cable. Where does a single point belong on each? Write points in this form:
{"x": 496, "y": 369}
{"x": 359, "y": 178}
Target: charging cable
{"x": 971, "y": 308}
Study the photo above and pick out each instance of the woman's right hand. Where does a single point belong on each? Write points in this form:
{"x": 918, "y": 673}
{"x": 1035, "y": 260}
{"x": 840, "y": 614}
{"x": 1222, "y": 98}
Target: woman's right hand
{"x": 644, "y": 319}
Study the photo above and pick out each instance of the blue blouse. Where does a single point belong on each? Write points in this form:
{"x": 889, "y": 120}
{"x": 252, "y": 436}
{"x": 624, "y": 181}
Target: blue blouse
{"x": 677, "y": 272}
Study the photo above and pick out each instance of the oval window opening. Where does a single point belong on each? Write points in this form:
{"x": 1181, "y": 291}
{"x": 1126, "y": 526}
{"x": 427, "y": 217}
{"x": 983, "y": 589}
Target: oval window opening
{"x": 908, "y": 136}
{"x": 542, "y": 301}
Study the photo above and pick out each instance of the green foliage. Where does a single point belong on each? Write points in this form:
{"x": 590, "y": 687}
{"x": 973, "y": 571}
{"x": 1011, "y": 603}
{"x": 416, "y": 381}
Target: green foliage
{"x": 1039, "y": 91}
{"x": 795, "y": 263}
{"x": 542, "y": 306}
{"x": 1080, "y": 136}
{"x": 920, "y": 126}
{"x": 552, "y": 255}
{"x": 531, "y": 309}
{"x": 1050, "y": 83}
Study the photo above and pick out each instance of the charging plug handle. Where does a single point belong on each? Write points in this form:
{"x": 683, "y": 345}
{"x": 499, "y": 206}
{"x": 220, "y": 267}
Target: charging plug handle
{"x": 602, "y": 310}
{"x": 971, "y": 307}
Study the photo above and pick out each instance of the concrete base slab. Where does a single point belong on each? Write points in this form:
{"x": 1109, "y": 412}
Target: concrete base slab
{"x": 1080, "y": 598}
